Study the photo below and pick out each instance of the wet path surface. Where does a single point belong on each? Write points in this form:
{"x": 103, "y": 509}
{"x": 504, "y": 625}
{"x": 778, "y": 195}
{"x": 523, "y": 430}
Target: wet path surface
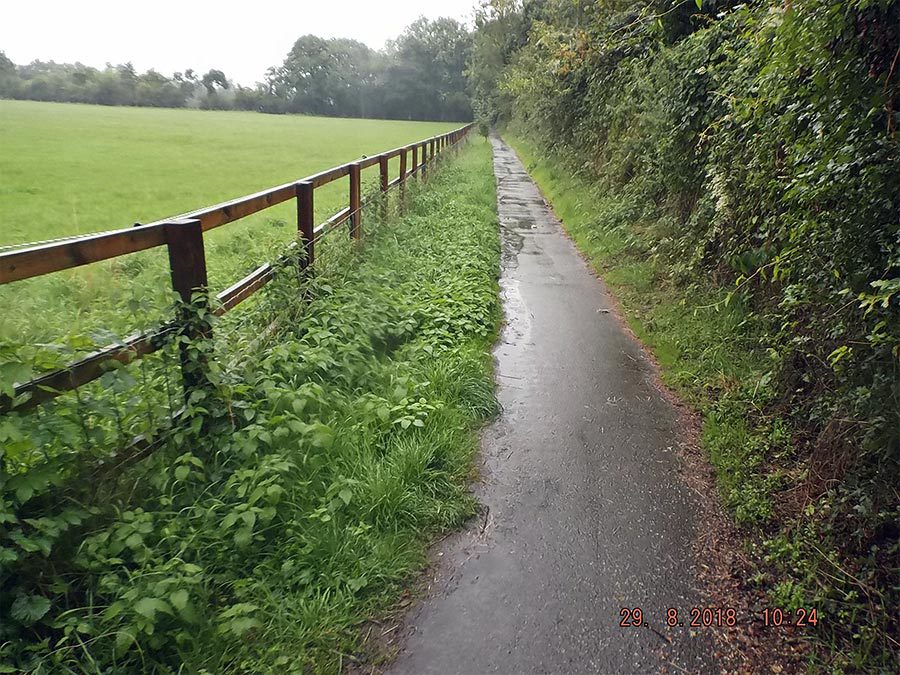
{"x": 585, "y": 511}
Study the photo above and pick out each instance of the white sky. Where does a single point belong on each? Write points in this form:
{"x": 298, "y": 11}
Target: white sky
{"x": 241, "y": 37}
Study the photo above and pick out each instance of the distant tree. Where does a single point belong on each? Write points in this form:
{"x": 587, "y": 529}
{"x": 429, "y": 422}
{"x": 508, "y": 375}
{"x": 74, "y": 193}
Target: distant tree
{"x": 501, "y": 29}
{"x": 8, "y": 78}
{"x": 7, "y": 67}
{"x": 127, "y": 71}
{"x": 326, "y": 77}
{"x": 425, "y": 78}
{"x": 213, "y": 80}
{"x": 110, "y": 89}
{"x": 157, "y": 91}
{"x": 421, "y": 75}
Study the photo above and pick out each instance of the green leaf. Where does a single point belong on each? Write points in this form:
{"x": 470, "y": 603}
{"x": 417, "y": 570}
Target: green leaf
{"x": 243, "y": 537}
{"x": 28, "y": 609}
{"x": 181, "y": 472}
{"x": 323, "y": 437}
{"x": 7, "y": 555}
{"x": 241, "y": 625}
{"x": 124, "y": 640}
{"x": 357, "y": 583}
{"x": 148, "y": 607}
{"x": 179, "y": 599}
{"x": 346, "y": 495}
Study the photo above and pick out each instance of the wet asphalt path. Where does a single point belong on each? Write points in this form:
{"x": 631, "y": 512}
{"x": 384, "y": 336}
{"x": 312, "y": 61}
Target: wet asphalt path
{"x": 585, "y": 510}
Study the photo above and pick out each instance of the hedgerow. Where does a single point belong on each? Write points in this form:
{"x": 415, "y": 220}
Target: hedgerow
{"x": 297, "y": 493}
{"x": 745, "y": 162}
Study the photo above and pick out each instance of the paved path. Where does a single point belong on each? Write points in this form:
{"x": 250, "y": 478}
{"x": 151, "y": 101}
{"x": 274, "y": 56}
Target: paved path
{"x": 586, "y": 510}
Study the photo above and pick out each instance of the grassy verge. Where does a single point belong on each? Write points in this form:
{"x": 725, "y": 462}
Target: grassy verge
{"x": 340, "y": 449}
{"x": 712, "y": 352}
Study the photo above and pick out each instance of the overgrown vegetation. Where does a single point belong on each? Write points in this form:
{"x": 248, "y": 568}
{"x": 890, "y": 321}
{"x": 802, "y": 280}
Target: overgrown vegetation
{"x": 299, "y": 492}
{"x": 733, "y": 169}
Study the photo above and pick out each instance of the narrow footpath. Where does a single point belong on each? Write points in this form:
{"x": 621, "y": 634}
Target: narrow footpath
{"x": 585, "y": 512}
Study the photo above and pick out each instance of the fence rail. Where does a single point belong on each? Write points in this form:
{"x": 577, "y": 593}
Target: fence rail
{"x": 183, "y": 237}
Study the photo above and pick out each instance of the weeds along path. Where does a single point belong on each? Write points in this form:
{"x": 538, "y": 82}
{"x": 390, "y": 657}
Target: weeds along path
{"x": 259, "y": 539}
{"x": 584, "y": 513}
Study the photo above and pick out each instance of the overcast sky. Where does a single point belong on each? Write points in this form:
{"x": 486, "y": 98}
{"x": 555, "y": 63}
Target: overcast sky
{"x": 241, "y": 37}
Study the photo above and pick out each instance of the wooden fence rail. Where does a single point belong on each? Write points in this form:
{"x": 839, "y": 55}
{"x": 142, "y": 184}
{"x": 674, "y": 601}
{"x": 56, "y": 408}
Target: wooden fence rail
{"x": 183, "y": 237}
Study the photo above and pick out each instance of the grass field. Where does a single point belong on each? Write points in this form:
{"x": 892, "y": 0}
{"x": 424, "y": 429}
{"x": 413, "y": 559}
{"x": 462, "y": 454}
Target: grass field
{"x": 70, "y": 169}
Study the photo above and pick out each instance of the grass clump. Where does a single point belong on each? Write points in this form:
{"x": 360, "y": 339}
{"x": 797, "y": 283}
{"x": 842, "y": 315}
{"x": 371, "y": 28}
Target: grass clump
{"x": 261, "y": 539}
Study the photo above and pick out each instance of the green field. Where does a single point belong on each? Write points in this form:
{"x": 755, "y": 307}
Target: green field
{"x": 70, "y": 169}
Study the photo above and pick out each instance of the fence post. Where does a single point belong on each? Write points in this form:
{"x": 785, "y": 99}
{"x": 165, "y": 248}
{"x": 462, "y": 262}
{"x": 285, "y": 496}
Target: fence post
{"x": 385, "y": 180}
{"x": 402, "y": 177}
{"x": 355, "y": 214}
{"x": 424, "y": 160}
{"x": 187, "y": 264}
{"x": 305, "y": 221}
{"x": 415, "y": 158}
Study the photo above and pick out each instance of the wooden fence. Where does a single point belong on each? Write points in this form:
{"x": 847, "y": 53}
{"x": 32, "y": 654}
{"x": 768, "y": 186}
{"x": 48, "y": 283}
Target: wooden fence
{"x": 183, "y": 237}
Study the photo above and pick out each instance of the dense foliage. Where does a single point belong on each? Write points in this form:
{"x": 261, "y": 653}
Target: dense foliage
{"x": 752, "y": 148}
{"x": 294, "y": 496}
{"x": 418, "y": 76}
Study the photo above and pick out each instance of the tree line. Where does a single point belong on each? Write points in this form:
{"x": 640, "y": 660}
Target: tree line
{"x": 420, "y": 76}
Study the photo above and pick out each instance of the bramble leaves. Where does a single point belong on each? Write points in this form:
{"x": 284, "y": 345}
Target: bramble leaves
{"x": 29, "y": 609}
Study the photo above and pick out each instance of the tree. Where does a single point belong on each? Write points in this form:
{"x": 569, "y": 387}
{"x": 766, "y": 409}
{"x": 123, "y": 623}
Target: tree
{"x": 425, "y": 78}
{"x": 7, "y": 67}
{"x": 214, "y": 79}
{"x": 8, "y": 78}
{"x": 501, "y": 30}
{"x": 156, "y": 90}
{"x": 326, "y": 77}
{"x": 420, "y": 75}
